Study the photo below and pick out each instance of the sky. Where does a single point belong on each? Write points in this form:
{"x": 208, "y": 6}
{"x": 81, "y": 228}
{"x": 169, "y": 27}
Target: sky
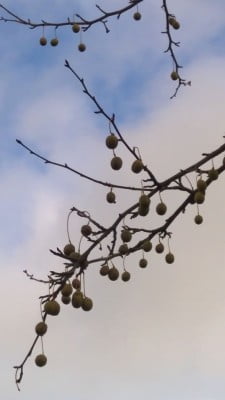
{"x": 161, "y": 335}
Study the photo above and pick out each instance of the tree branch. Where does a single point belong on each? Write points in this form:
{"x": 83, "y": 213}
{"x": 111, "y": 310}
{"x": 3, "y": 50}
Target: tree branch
{"x": 84, "y": 23}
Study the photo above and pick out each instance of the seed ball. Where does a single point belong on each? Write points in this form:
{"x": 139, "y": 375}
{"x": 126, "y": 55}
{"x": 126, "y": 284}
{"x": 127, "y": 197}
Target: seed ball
{"x": 54, "y": 42}
{"x": 144, "y": 200}
{"x": 104, "y": 270}
{"x": 199, "y": 197}
{"x": 171, "y": 20}
{"x": 76, "y": 28}
{"x": 174, "y": 23}
{"x": 137, "y": 166}
{"x": 41, "y": 360}
{"x": 43, "y": 41}
{"x": 126, "y": 235}
{"x": 123, "y": 249}
{"x": 52, "y": 307}
{"x": 161, "y": 208}
{"x": 137, "y": 16}
{"x": 66, "y": 299}
{"x": 116, "y": 163}
{"x": 147, "y": 245}
{"x": 143, "y": 263}
{"x": 74, "y": 256}
{"x": 169, "y": 258}
{"x": 125, "y": 276}
{"x": 159, "y": 248}
{"x": 213, "y": 174}
{"x": 113, "y": 274}
{"x": 111, "y": 141}
{"x": 77, "y": 299}
{"x": 87, "y": 304}
{"x": 41, "y": 328}
{"x": 86, "y": 230}
{"x": 198, "y": 219}
{"x": 174, "y": 75}
{"x": 76, "y": 283}
{"x": 67, "y": 289}
{"x": 68, "y": 249}
{"x": 82, "y": 47}
{"x": 143, "y": 211}
{"x": 201, "y": 185}
{"x": 111, "y": 197}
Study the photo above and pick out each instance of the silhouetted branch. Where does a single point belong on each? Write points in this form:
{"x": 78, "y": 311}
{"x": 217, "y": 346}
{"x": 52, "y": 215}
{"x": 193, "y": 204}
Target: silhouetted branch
{"x": 170, "y": 48}
{"x": 84, "y": 23}
{"x": 67, "y": 167}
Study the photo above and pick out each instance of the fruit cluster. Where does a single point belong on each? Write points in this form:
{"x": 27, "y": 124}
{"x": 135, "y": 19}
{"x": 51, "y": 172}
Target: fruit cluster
{"x": 71, "y": 292}
{"x": 55, "y": 41}
{"x": 76, "y": 29}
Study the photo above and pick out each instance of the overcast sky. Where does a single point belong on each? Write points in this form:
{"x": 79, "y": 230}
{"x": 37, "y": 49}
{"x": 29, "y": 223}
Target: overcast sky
{"x": 161, "y": 335}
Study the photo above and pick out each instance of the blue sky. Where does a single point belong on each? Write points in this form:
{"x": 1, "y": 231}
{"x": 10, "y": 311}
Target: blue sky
{"x": 161, "y": 335}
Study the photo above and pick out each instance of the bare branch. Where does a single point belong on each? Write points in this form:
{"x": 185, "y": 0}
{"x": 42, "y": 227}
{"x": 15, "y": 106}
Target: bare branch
{"x": 170, "y": 48}
{"x": 83, "y": 22}
{"x": 67, "y": 167}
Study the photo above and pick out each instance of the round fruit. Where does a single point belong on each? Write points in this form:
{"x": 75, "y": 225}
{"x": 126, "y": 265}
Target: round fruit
{"x": 201, "y": 185}
{"x": 199, "y": 197}
{"x": 137, "y": 166}
{"x": 198, "y": 219}
{"x": 169, "y": 258}
{"x": 54, "y": 42}
{"x": 126, "y": 235}
{"x": 52, "y": 307}
{"x": 144, "y": 201}
{"x": 41, "y": 328}
{"x": 174, "y": 75}
{"x": 77, "y": 299}
{"x": 76, "y": 28}
{"x": 68, "y": 249}
{"x": 171, "y": 20}
{"x": 87, "y": 304}
{"x": 143, "y": 263}
{"x": 147, "y": 245}
{"x": 125, "y": 276}
{"x": 43, "y": 41}
{"x": 116, "y": 163}
{"x": 81, "y": 47}
{"x": 113, "y": 274}
{"x": 174, "y": 23}
{"x": 86, "y": 230}
{"x": 159, "y": 248}
{"x": 143, "y": 211}
{"x": 161, "y": 208}
{"x": 41, "y": 360}
{"x": 123, "y": 249}
{"x": 213, "y": 174}
{"x": 104, "y": 270}
{"x": 111, "y": 141}
{"x": 74, "y": 256}
{"x": 67, "y": 289}
{"x": 76, "y": 283}
{"x": 111, "y": 197}
{"x": 137, "y": 16}
{"x": 66, "y": 299}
